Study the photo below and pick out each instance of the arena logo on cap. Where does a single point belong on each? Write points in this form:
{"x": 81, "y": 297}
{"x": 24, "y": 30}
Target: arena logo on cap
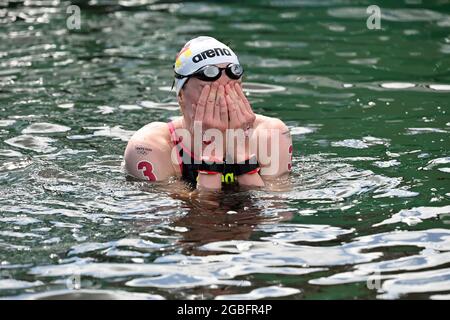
{"x": 210, "y": 53}
{"x": 185, "y": 52}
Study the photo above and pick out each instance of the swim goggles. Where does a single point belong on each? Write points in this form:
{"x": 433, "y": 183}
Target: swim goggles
{"x": 212, "y": 72}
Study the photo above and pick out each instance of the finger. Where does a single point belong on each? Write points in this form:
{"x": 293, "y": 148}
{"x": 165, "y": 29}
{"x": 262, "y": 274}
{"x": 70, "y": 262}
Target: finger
{"x": 241, "y": 95}
{"x": 241, "y": 117}
{"x": 218, "y": 105}
{"x": 230, "y": 104}
{"x": 191, "y": 114}
{"x": 223, "y": 111}
{"x": 199, "y": 112}
{"x": 232, "y": 112}
{"x": 204, "y": 95}
{"x": 247, "y": 107}
{"x": 210, "y": 102}
{"x": 231, "y": 108}
{"x": 240, "y": 108}
{"x": 230, "y": 91}
{"x": 237, "y": 98}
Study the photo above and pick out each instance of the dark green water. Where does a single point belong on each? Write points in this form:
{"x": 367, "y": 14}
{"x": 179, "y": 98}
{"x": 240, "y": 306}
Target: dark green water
{"x": 368, "y": 216}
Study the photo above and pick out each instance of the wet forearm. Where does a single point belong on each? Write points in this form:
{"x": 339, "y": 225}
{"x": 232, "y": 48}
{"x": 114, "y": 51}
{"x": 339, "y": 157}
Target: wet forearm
{"x": 209, "y": 182}
{"x": 250, "y": 180}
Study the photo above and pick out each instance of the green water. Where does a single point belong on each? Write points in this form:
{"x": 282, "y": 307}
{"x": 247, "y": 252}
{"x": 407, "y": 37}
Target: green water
{"x": 368, "y": 215}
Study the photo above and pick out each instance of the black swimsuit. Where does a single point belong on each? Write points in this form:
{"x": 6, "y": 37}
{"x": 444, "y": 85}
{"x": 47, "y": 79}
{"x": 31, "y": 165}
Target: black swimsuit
{"x": 189, "y": 165}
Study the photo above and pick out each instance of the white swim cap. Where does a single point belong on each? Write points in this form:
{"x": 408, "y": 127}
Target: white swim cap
{"x": 199, "y": 52}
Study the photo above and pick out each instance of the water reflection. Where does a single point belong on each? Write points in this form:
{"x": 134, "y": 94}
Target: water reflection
{"x": 230, "y": 214}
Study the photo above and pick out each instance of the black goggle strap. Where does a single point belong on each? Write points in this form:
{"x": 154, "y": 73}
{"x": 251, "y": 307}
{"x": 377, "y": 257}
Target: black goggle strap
{"x": 177, "y": 76}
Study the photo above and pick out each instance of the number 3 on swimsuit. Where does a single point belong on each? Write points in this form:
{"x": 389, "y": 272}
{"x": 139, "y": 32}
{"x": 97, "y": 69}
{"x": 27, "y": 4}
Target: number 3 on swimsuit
{"x": 147, "y": 170}
{"x": 290, "y": 155}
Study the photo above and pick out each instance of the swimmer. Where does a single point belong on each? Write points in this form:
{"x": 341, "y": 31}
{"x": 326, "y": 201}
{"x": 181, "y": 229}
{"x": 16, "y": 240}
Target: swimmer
{"x": 218, "y": 140}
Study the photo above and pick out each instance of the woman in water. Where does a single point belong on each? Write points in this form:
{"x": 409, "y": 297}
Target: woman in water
{"x": 218, "y": 140}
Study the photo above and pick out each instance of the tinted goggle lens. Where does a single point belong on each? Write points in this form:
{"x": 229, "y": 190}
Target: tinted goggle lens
{"x": 212, "y": 73}
{"x": 234, "y": 71}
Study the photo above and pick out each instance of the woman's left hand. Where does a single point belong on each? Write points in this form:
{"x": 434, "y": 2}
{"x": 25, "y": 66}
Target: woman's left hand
{"x": 239, "y": 109}
{"x": 241, "y": 118}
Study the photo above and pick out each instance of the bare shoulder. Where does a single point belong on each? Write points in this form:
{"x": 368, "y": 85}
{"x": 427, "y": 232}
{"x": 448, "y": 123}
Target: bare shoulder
{"x": 148, "y": 153}
{"x": 155, "y": 133}
{"x": 264, "y": 122}
{"x": 276, "y": 164}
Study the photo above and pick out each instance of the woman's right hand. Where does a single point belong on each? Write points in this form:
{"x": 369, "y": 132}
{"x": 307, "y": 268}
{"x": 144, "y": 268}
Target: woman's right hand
{"x": 209, "y": 113}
